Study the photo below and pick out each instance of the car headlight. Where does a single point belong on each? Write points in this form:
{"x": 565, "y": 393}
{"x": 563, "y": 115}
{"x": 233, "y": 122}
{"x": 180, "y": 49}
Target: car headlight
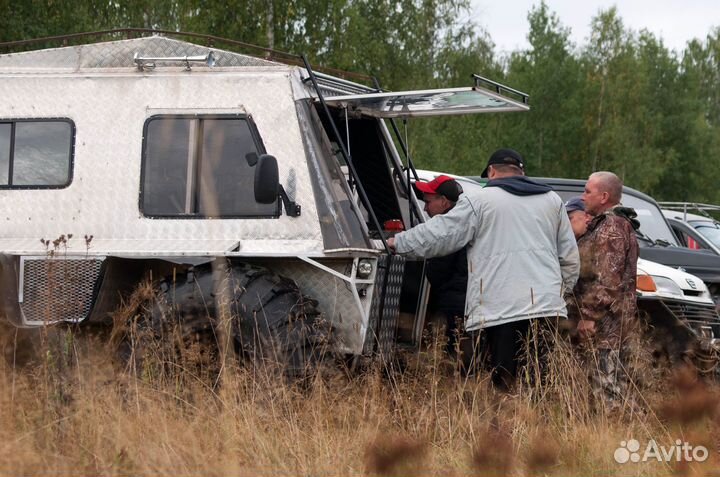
{"x": 365, "y": 268}
{"x": 665, "y": 285}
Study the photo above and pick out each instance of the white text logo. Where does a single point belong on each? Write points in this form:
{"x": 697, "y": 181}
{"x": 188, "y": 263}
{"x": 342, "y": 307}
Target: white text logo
{"x": 629, "y": 451}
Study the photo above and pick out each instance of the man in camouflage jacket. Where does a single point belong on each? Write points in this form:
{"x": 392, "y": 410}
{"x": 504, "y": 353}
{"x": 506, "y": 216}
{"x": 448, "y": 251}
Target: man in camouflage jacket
{"x": 605, "y": 291}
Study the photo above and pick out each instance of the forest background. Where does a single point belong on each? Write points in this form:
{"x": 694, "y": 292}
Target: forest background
{"x": 622, "y": 101}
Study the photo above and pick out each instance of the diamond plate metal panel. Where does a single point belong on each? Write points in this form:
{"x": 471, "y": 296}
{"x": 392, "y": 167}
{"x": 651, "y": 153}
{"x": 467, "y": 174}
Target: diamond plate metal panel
{"x": 334, "y": 297}
{"x": 109, "y": 112}
{"x": 382, "y": 330}
{"x": 119, "y": 54}
{"x": 58, "y": 289}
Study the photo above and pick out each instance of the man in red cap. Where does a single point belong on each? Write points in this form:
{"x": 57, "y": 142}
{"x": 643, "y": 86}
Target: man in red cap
{"x": 440, "y": 194}
{"x": 448, "y": 274}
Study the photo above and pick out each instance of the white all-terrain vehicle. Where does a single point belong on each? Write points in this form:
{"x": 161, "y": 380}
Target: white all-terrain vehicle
{"x": 249, "y": 186}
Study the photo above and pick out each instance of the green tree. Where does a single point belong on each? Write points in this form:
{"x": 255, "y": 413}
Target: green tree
{"x": 695, "y": 132}
{"x": 549, "y": 134}
{"x": 622, "y": 127}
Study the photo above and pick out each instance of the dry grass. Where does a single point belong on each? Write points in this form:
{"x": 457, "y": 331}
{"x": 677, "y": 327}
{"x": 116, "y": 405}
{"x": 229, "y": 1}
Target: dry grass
{"x": 73, "y": 411}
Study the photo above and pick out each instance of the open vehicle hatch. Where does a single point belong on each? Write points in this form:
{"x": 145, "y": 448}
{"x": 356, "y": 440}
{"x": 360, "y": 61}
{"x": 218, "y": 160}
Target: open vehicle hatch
{"x": 433, "y": 102}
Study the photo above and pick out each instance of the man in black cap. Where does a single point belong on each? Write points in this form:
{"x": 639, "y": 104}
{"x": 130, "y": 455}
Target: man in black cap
{"x": 447, "y": 275}
{"x": 505, "y": 161}
{"x": 521, "y": 253}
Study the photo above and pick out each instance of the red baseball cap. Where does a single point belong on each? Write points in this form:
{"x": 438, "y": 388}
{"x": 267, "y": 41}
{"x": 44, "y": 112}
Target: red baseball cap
{"x": 442, "y": 185}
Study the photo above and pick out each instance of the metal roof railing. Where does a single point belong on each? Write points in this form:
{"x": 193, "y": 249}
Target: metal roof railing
{"x": 691, "y": 207}
{"x": 211, "y": 41}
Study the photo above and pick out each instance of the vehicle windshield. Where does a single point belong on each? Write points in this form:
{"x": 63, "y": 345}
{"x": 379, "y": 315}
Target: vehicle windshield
{"x": 652, "y": 222}
{"x": 710, "y": 232}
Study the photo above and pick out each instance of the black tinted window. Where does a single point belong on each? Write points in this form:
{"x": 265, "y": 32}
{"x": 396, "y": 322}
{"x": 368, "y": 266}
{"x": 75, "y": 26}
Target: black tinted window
{"x": 197, "y": 167}
{"x": 167, "y": 149}
{"x": 35, "y": 153}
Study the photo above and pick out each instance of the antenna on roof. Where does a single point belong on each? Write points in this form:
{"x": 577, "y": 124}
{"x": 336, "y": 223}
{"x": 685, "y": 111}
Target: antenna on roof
{"x": 148, "y": 63}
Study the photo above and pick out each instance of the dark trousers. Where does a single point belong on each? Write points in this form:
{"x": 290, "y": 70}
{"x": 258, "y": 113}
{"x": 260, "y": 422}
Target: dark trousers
{"x": 504, "y": 345}
{"x": 504, "y": 349}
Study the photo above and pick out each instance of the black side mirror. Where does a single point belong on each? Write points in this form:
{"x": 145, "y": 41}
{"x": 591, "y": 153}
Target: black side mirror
{"x": 267, "y": 180}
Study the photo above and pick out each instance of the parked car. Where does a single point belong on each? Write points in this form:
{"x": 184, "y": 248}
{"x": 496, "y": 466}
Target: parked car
{"x": 698, "y": 231}
{"x": 683, "y": 319}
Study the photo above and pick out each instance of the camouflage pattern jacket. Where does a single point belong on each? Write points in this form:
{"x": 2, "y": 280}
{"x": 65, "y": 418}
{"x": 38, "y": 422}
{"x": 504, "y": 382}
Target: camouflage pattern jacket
{"x": 605, "y": 291}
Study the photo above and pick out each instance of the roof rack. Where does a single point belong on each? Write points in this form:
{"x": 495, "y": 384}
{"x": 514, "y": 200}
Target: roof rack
{"x": 481, "y": 81}
{"x": 335, "y": 85}
{"x": 685, "y": 207}
{"x": 211, "y": 40}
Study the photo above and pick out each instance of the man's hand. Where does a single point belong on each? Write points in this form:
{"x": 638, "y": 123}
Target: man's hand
{"x": 586, "y": 328}
{"x": 391, "y": 243}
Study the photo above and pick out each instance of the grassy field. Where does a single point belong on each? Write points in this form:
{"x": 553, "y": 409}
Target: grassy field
{"x": 67, "y": 408}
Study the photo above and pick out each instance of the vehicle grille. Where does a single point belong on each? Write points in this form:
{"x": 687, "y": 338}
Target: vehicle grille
{"x": 692, "y": 292}
{"x": 694, "y": 312}
{"x": 57, "y": 289}
{"x": 703, "y": 319}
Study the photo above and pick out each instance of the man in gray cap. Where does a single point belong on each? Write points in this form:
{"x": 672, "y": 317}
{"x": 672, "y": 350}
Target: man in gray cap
{"x": 579, "y": 219}
{"x": 522, "y": 256}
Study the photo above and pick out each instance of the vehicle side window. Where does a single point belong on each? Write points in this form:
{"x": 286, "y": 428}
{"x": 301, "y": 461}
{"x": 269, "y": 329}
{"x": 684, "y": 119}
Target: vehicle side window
{"x": 681, "y": 235}
{"x": 710, "y": 232}
{"x": 36, "y": 153}
{"x": 197, "y": 167}
{"x": 687, "y": 239}
{"x": 692, "y": 241}
{"x": 693, "y": 244}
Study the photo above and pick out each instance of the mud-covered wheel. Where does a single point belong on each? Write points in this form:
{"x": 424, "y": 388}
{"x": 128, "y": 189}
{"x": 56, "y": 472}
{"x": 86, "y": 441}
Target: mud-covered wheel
{"x": 270, "y": 321}
{"x": 154, "y": 336}
{"x": 274, "y": 323}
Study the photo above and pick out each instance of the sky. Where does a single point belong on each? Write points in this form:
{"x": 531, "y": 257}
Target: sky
{"x": 676, "y": 21}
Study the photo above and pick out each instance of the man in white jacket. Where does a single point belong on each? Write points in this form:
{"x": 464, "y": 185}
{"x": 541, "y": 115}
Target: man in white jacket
{"x": 522, "y": 256}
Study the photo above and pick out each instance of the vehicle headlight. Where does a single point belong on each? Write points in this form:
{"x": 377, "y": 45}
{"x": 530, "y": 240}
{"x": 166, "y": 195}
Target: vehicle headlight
{"x": 365, "y": 268}
{"x": 665, "y": 285}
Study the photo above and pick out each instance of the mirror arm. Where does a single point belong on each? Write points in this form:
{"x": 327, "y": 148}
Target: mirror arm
{"x": 292, "y": 208}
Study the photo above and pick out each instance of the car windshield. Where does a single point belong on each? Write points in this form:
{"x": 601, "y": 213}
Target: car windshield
{"x": 710, "y": 232}
{"x": 652, "y": 222}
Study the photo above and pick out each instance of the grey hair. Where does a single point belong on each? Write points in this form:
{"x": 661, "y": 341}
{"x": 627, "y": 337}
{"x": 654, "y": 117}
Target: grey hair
{"x": 610, "y": 183}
